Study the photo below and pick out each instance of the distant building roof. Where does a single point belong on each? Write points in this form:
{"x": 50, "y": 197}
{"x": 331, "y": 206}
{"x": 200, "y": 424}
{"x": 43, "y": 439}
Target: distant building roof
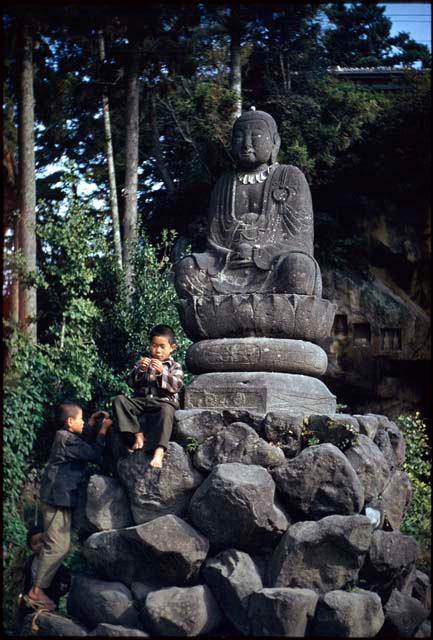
{"x": 386, "y": 78}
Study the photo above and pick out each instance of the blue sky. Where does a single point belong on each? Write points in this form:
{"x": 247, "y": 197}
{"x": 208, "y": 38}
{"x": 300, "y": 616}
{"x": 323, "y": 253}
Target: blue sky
{"x": 413, "y": 17}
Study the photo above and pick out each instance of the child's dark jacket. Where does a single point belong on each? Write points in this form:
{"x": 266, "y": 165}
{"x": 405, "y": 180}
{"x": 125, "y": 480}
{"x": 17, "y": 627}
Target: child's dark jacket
{"x": 66, "y": 466}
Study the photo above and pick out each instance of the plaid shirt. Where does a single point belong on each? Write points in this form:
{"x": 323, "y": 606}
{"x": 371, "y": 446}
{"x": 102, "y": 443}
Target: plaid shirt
{"x": 165, "y": 386}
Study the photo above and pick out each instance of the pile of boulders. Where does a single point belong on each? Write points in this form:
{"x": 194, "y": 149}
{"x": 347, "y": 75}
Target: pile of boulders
{"x": 273, "y": 525}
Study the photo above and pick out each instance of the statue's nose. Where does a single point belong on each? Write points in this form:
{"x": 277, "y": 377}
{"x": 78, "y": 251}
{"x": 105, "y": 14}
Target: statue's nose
{"x": 247, "y": 144}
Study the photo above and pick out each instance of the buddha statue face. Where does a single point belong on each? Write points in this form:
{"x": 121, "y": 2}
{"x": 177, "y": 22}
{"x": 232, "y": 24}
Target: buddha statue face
{"x": 252, "y": 143}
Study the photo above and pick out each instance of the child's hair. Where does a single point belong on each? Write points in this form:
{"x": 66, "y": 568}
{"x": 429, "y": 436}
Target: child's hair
{"x": 165, "y": 331}
{"x": 66, "y": 410}
{"x": 33, "y": 531}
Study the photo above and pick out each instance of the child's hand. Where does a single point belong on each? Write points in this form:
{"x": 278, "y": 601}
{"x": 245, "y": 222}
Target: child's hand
{"x": 143, "y": 363}
{"x": 94, "y": 416}
{"x": 106, "y": 424}
{"x": 157, "y": 365}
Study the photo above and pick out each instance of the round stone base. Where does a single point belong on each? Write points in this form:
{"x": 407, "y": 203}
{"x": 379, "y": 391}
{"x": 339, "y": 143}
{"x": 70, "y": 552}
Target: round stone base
{"x": 257, "y": 354}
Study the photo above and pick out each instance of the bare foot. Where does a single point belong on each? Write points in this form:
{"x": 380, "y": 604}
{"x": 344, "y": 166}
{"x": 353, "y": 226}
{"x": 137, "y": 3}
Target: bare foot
{"x": 39, "y": 597}
{"x": 157, "y": 459}
{"x": 139, "y": 441}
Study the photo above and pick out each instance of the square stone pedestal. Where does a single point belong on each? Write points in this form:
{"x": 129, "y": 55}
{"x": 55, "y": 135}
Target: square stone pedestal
{"x": 260, "y": 392}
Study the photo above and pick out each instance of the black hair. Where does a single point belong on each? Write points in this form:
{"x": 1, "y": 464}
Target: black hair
{"x": 165, "y": 331}
{"x": 66, "y": 410}
{"x": 33, "y": 531}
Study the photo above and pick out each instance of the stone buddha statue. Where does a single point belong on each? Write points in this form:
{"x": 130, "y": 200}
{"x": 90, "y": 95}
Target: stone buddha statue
{"x": 251, "y": 302}
{"x": 260, "y": 225}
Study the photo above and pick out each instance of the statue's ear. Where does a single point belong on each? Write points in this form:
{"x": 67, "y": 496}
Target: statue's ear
{"x": 275, "y": 148}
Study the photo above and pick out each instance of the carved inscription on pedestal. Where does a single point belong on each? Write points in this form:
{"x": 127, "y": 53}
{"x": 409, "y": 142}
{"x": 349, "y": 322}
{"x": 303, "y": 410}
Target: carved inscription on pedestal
{"x": 253, "y": 398}
{"x": 242, "y": 355}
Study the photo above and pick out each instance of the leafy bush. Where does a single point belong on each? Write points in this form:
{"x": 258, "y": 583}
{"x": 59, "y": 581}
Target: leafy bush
{"x": 154, "y": 301}
{"x": 417, "y": 465}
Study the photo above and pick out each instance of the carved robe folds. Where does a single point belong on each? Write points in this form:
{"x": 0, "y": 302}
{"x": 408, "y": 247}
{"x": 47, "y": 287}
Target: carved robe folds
{"x": 266, "y": 251}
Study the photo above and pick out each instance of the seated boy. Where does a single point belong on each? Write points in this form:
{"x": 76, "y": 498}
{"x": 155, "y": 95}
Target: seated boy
{"x": 59, "y": 492}
{"x": 156, "y": 380}
{"x": 61, "y": 580}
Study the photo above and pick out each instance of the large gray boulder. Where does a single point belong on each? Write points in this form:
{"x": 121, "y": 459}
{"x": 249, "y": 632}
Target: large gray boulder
{"x": 281, "y": 612}
{"x": 396, "y": 498}
{"x": 105, "y": 630}
{"x": 403, "y": 615}
{"x": 107, "y": 504}
{"x": 234, "y": 507}
{"x": 390, "y": 441}
{"x": 343, "y": 614}
{"x": 237, "y": 442}
{"x": 323, "y": 555}
{"x": 347, "y": 419}
{"x": 93, "y": 601}
{"x": 368, "y": 424}
{"x": 163, "y": 551}
{"x": 422, "y": 589}
{"x": 390, "y": 559}
{"x": 254, "y": 419}
{"x": 397, "y": 442}
{"x": 173, "y": 550}
{"x": 182, "y": 611}
{"x": 370, "y": 466}
{"x": 285, "y": 431}
{"x": 141, "y": 589}
{"x": 195, "y": 425}
{"x": 52, "y": 625}
{"x": 319, "y": 482}
{"x": 113, "y": 558}
{"x": 158, "y": 492}
{"x": 383, "y": 443}
{"x": 233, "y": 577}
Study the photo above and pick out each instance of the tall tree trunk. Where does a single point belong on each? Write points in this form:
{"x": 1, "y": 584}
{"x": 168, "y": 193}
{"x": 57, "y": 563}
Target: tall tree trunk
{"x": 11, "y": 206}
{"x": 131, "y": 166}
{"x": 27, "y": 222}
{"x": 110, "y": 161}
{"x": 15, "y": 286}
{"x": 157, "y": 150}
{"x": 235, "y": 57}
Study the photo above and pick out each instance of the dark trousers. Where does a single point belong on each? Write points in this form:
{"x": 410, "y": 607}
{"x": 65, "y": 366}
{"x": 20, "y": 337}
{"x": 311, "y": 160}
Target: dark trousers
{"x": 151, "y": 416}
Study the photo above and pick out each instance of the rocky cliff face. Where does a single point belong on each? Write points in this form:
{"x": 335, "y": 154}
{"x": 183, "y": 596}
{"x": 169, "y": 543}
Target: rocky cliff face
{"x": 380, "y": 349}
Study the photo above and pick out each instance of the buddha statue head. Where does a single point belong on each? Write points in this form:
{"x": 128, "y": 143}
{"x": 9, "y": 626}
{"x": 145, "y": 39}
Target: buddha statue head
{"x": 255, "y": 140}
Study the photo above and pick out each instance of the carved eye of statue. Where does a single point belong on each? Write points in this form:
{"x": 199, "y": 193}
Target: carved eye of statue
{"x": 281, "y": 195}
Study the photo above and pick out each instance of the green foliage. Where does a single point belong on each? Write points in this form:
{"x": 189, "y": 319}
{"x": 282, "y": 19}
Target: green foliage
{"x": 320, "y": 121}
{"x": 25, "y": 386}
{"x": 192, "y": 444}
{"x": 341, "y": 407}
{"x": 417, "y": 521}
{"x": 13, "y": 580}
{"x": 153, "y": 301}
{"x": 339, "y": 434}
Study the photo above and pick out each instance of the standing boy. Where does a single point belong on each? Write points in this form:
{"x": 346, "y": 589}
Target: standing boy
{"x": 156, "y": 380}
{"x": 59, "y": 493}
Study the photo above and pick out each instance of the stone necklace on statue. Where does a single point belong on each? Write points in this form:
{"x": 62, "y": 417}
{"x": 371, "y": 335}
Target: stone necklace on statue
{"x": 254, "y": 178}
